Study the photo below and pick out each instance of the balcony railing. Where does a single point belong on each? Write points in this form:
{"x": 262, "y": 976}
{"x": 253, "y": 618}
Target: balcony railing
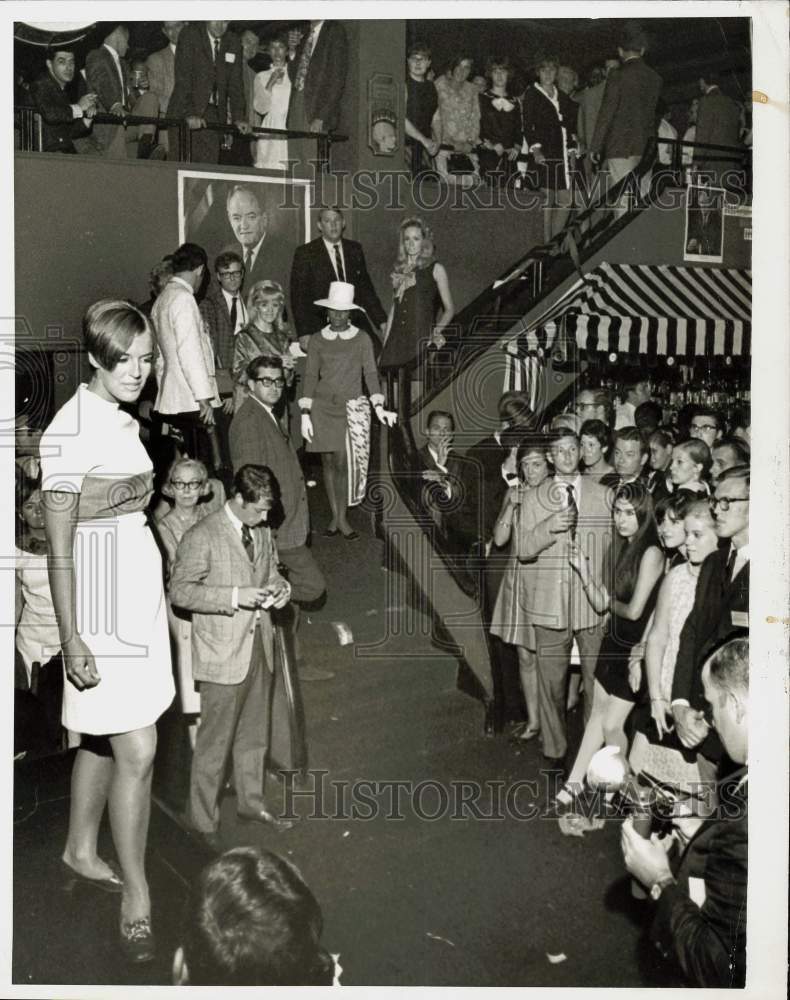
{"x": 30, "y": 125}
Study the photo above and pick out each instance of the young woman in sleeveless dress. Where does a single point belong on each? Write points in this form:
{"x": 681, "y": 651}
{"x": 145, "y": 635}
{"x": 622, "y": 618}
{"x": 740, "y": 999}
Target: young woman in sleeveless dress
{"x": 105, "y": 574}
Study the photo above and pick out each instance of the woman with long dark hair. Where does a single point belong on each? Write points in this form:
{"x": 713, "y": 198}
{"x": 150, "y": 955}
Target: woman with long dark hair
{"x": 500, "y": 125}
{"x": 636, "y": 563}
{"x": 97, "y": 481}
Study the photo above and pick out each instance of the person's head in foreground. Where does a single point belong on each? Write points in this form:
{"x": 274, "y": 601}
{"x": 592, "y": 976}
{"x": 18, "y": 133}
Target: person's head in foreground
{"x": 725, "y": 682}
{"x": 252, "y": 921}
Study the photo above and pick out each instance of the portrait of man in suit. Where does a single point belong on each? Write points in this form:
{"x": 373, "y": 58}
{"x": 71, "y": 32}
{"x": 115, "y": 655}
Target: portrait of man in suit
{"x": 226, "y": 574}
{"x": 262, "y": 219}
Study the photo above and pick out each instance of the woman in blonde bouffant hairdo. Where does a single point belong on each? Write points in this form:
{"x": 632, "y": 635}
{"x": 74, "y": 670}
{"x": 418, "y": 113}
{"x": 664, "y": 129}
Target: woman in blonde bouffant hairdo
{"x": 419, "y": 284}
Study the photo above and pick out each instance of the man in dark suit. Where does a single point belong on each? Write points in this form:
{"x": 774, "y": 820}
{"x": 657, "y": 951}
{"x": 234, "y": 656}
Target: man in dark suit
{"x": 226, "y": 574}
{"x": 721, "y": 608}
{"x": 324, "y": 260}
{"x": 630, "y": 454}
{"x": 108, "y": 76}
{"x": 626, "y": 120}
{"x": 718, "y": 123}
{"x": 66, "y": 110}
{"x": 208, "y": 78}
{"x": 256, "y": 437}
{"x": 699, "y": 922}
{"x": 318, "y": 72}
{"x": 249, "y": 221}
{"x": 705, "y": 224}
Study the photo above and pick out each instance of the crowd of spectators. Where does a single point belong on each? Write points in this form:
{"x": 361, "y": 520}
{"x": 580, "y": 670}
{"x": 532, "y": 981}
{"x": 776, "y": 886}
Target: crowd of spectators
{"x": 206, "y": 76}
{"x": 628, "y": 544}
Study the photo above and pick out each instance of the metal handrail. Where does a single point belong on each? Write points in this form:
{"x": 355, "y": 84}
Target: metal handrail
{"x": 31, "y": 131}
{"x": 497, "y": 309}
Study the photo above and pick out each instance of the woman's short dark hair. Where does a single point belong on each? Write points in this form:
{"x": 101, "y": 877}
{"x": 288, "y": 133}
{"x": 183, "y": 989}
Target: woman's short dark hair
{"x": 458, "y": 58}
{"x": 253, "y": 921}
{"x": 674, "y": 504}
{"x": 263, "y": 361}
{"x": 501, "y": 63}
{"x": 514, "y": 407}
{"x": 598, "y": 430}
{"x": 545, "y": 59}
{"x": 253, "y": 482}
{"x": 108, "y": 329}
{"x": 531, "y": 444}
{"x": 664, "y": 435}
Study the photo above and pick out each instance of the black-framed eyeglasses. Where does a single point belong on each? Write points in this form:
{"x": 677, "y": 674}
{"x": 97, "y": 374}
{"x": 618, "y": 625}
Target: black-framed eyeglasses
{"x": 190, "y": 484}
{"x": 724, "y": 502}
{"x": 270, "y": 383}
{"x": 704, "y": 427}
{"x": 231, "y": 274}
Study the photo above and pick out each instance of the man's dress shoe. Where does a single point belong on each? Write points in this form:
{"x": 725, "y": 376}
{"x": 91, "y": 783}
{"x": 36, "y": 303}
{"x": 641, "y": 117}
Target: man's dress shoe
{"x": 268, "y": 819}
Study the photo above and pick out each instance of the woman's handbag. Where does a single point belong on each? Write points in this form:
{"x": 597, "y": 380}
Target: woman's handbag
{"x": 460, "y": 163}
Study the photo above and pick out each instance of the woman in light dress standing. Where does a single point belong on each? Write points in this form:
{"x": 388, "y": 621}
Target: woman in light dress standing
{"x": 270, "y": 98}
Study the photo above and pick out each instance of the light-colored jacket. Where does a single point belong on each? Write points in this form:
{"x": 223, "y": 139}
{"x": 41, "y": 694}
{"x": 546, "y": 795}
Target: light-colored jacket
{"x": 210, "y": 562}
{"x": 162, "y": 75}
{"x": 185, "y": 359}
{"x": 554, "y": 597}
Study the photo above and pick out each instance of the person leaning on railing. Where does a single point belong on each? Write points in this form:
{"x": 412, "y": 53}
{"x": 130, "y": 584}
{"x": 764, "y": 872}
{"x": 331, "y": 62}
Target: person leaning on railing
{"x": 66, "y": 109}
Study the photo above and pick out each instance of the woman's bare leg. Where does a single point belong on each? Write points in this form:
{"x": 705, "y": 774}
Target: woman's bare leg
{"x": 593, "y": 738}
{"x": 341, "y": 491}
{"x": 528, "y": 673}
{"x": 90, "y": 783}
{"x": 130, "y": 809}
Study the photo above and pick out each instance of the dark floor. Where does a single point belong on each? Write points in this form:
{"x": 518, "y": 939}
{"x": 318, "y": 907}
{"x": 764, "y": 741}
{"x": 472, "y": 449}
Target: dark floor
{"x": 407, "y": 901}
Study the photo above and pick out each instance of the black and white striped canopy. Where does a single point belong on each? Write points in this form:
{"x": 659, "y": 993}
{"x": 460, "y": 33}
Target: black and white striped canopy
{"x": 651, "y": 310}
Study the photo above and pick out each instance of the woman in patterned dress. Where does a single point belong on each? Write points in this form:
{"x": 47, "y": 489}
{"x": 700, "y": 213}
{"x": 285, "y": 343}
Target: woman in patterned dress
{"x": 105, "y": 574}
{"x": 509, "y": 611}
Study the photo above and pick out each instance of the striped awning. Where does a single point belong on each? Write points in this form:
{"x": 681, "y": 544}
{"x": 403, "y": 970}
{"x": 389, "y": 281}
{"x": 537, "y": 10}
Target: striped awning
{"x": 651, "y": 310}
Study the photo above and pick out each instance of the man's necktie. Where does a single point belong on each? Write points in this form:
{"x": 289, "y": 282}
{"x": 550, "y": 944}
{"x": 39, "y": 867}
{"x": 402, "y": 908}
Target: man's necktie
{"x": 247, "y": 542}
{"x": 247, "y": 260}
{"x": 730, "y": 565}
{"x": 304, "y": 62}
{"x": 215, "y": 88}
{"x": 341, "y": 274}
{"x": 233, "y": 313}
{"x": 574, "y": 511}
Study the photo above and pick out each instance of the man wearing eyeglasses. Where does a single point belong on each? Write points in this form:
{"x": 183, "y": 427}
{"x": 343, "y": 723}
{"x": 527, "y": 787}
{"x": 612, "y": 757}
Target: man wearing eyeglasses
{"x": 257, "y": 438}
{"x": 705, "y": 425}
{"x": 594, "y": 404}
{"x": 721, "y": 609}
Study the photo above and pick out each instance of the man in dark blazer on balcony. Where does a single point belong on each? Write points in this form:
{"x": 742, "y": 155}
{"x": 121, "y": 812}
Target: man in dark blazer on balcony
{"x": 108, "y": 76}
{"x": 66, "y": 110}
{"x": 318, "y": 72}
{"x": 330, "y": 258}
{"x": 208, "y": 78}
{"x": 626, "y": 120}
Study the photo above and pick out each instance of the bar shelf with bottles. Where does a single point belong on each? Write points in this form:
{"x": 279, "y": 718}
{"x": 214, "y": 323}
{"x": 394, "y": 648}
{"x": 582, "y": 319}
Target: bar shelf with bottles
{"x": 723, "y": 383}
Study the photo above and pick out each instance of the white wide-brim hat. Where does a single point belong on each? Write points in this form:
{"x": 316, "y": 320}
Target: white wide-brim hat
{"x": 341, "y": 296}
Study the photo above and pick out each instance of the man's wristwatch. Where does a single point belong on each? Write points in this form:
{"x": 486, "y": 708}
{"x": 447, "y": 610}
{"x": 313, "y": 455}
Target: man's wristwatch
{"x": 658, "y": 887}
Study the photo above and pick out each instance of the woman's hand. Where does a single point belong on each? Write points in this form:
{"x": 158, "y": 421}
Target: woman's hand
{"x": 659, "y": 710}
{"x": 80, "y": 665}
{"x": 512, "y": 153}
{"x": 438, "y": 339}
{"x": 635, "y": 673}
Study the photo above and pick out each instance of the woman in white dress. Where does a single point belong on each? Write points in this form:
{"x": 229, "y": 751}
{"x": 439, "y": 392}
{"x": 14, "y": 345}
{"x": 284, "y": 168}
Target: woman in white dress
{"x": 105, "y": 575}
{"x": 270, "y": 98}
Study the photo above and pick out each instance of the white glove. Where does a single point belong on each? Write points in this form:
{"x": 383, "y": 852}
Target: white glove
{"x": 307, "y": 427}
{"x": 388, "y": 417}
